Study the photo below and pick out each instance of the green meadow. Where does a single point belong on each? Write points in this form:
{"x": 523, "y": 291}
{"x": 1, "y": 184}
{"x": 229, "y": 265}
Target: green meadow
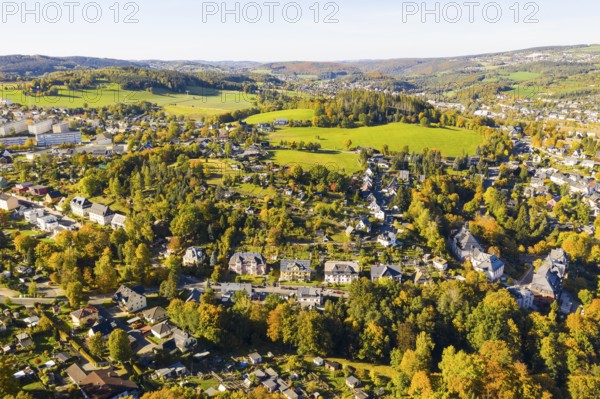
{"x": 289, "y": 114}
{"x": 449, "y": 141}
{"x": 345, "y": 162}
{"x": 198, "y": 102}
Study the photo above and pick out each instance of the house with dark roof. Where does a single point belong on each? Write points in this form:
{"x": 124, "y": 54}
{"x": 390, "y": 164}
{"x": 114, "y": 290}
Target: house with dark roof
{"x": 104, "y": 328}
{"x": 488, "y": 264}
{"x": 155, "y": 314}
{"x": 129, "y": 299}
{"x": 464, "y": 244}
{"x": 194, "y": 256}
{"x": 387, "y": 272}
{"x": 100, "y": 214}
{"x": 547, "y": 282}
{"x": 195, "y": 295}
{"x": 248, "y": 263}
{"x": 309, "y": 296}
{"x": 84, "y": 316}
{"x": 106, "y": 384}
{"x": 80, "y": 206}
{"x": 295, "y": 270}
{"x": 341, "y": 272}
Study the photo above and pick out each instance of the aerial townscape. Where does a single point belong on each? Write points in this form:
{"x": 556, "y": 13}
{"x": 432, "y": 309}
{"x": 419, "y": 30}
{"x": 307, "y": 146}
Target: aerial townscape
{"x": 411, "y": 228}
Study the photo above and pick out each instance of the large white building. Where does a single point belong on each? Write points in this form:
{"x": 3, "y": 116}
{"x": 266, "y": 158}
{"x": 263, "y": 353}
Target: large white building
{"x": 62, "y": 127}
{"x": 41, "y": 127}
{"x": 52, "y": 139}
{"x": 341, "y": 272}
{"x": 13, "y": 128}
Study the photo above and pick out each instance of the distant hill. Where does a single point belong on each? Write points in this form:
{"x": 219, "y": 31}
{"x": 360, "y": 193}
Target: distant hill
{"x": 41, "y": 64}
{"x": 309, "y": 68}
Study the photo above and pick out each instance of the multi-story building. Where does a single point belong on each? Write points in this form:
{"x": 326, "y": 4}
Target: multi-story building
{"x": 295, "y": 270}
{"x": 341, "y": 272}
{"x": 251, "y": 263}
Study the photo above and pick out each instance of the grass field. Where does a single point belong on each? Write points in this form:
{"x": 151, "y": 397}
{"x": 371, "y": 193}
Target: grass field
{"x": 289, "y": 114}
{"x": 333, "y": 160}
{"x": 522, "y": 76}
{"x": 450, "y": 141}
{"x": 198, "y": 102}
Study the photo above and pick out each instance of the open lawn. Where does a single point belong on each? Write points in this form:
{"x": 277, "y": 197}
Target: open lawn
{"x": 450, "y": 141}
{"x": 333, "y": 160}
{"x": 200, "y": 101}
{"x": 522, "y": 76}
{"x": 289, "y": 114}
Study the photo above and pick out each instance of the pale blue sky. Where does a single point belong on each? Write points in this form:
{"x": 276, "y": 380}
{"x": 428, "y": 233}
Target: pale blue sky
{"x": 171, "y": 30}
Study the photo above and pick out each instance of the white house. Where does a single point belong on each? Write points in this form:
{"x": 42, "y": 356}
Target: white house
{"x": 193, "y": 256}
{"x": 47, "y": 223}
{"x": 80, "y": 206}
{"x": 118, "y": 221}
{"x": 100, "y": 214}
{"x": 341, "y": 272}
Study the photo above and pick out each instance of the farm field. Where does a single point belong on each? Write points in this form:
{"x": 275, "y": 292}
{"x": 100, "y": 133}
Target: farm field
{"x": 334, "y": 160}
{"x": 200, "y": 101}
{"x": 450, "y": 141}
{"x": 290, "y": 114}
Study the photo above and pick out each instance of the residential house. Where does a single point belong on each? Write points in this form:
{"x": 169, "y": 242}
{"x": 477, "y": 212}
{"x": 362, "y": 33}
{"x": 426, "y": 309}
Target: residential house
{"x": 32, "y": 215}
{"x": 229, "y": 289}
{"x": 155, "y": 314}
{"x": 106, "y": 384}
{"x": 22, "y": 188}
{"x": 195, "y": 295}
{"x": 130, "y": 300}
{"x": 488, "y": 264}
{"x": 183, "y": 341}
{"x": 177, "y": 370}
{"x": 53, "y": 197}
{"x": 386, "y": 272}
{"x": 318, "y": 361}
{"x": 38, "y": 190}
{"x": 352, "y": 382}
{"x": 309, "y": 296}
{"x": 330, "y": 365}
{"x": 523, "y": 295}
{"x": 463, "y": 243}
{"x": 547, "y": 281}
{"x": 80, "y": 206}
{"x": 255, "y": 358}
{"x": 100, "y": 214}
{"x": 24, "y": 341}
{"x": 341, "y": 272}
{"x": 8, "y": 202}
{"x": 194, "y": 256}
{"x": 118, "y": 221}
{"x": 85, "y": 316}
{"x": 295, "y": 270}
{"x": 103, "y": 328}
{"x": 161, "y": 330}
{"x": 440, "y": 263}
{"x": 47, "y": 223}
{"x": 387, "y": 239}
{"x": 363, "y": 224}
{"x": 31, "y": 321}
{"x": 250, "y": 263}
